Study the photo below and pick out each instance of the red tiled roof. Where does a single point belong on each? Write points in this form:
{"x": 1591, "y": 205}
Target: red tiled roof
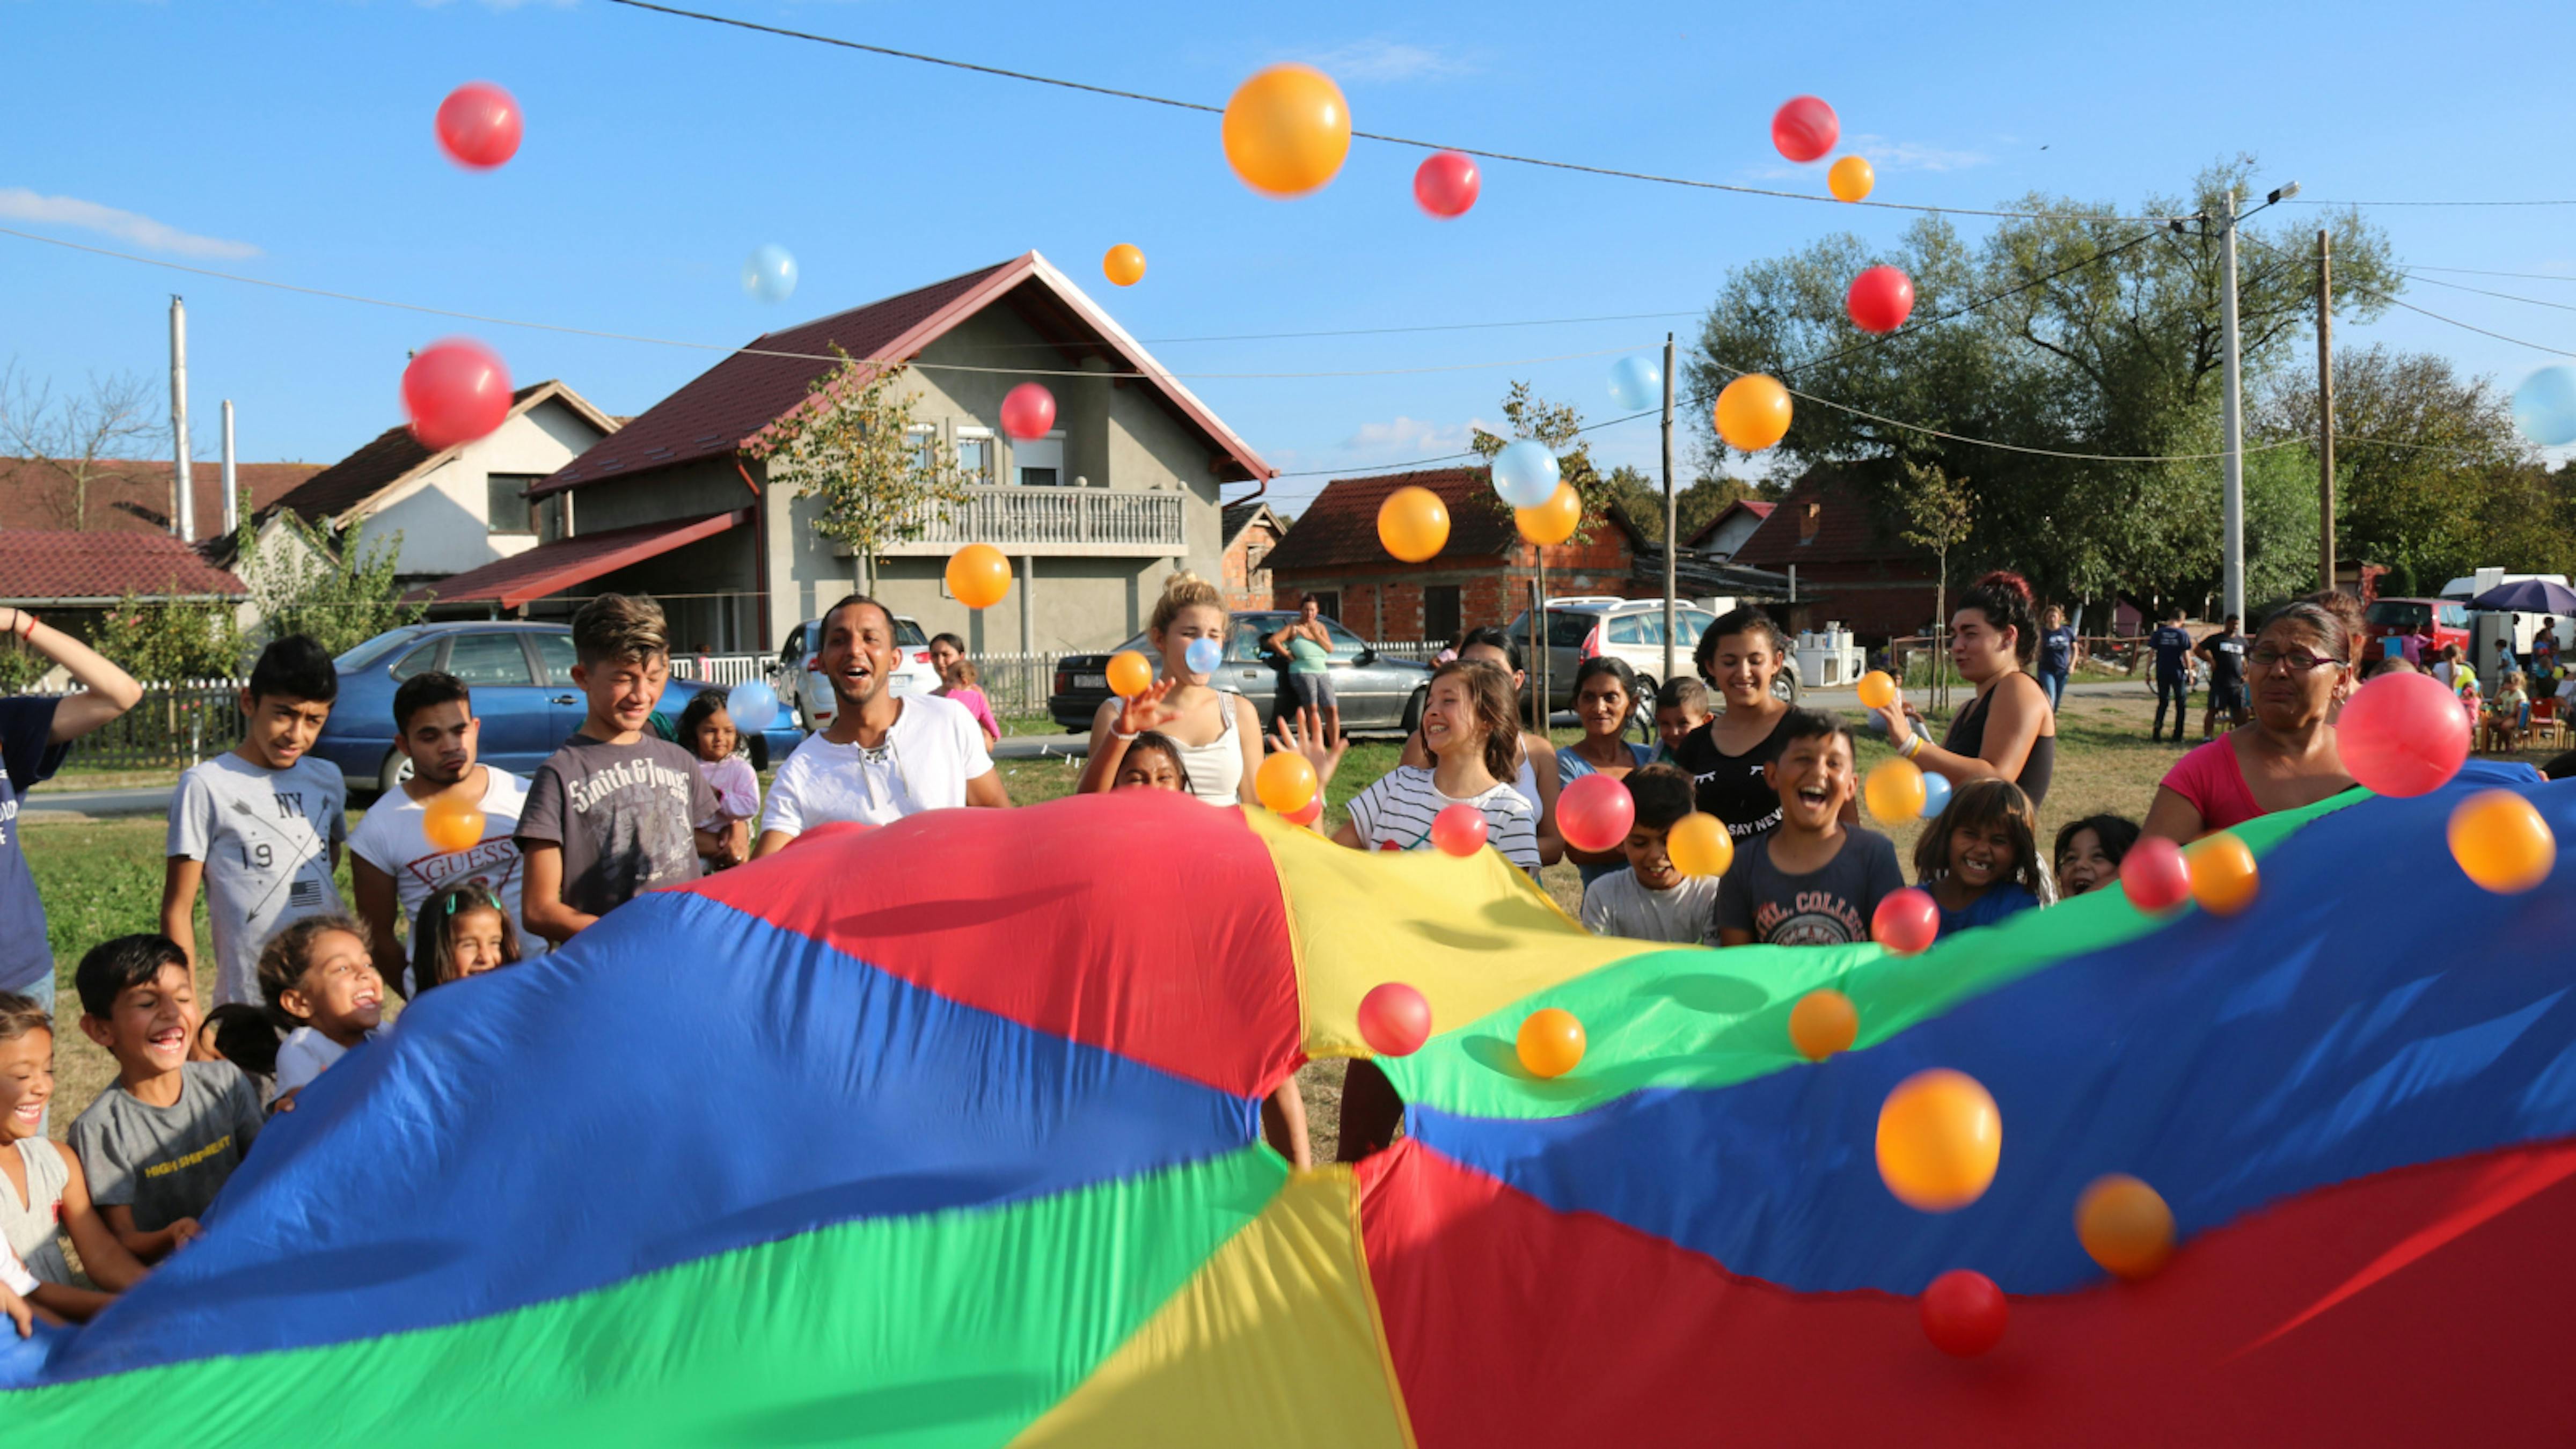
{"x": 64, "y": 565}
{"x": 1339, "y": 529}
{"x": 1847, "y": 529}
{"x": 133, "y": 495}
{"x": 1755, "y": 506}
{"x": 394, "y": 454}
{"x": 712, "y": 414}
{"x": 552, "y": 567}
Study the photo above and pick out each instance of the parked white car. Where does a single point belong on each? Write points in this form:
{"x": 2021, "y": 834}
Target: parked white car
{"x": 799, "y": 658}
{"x": 1585, "y": 626}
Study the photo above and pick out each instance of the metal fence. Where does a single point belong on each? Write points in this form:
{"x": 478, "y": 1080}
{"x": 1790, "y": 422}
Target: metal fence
{"x": 175, "y": 726}
{"x": 724, "y": 669}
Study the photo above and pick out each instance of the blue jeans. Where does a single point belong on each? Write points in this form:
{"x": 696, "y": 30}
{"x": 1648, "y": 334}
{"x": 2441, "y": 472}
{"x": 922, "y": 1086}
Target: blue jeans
{"x": 2054, "y": 681}
{"x": 2177, "y": 689}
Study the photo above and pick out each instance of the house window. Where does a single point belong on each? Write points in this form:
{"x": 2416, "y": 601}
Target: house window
{"x": 975, "y": 455}
{"x": 924, "y": 443}
{"x": 506, "y": 508}
{"x": 1808, "y": 522}
{"x": 1440, "y": 611}
{"x": 1039, "y": 462}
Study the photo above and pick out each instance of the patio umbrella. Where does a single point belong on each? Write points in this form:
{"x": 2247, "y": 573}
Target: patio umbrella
{"x": 947, "y": 1134}
{"x": 2529, "y": 596}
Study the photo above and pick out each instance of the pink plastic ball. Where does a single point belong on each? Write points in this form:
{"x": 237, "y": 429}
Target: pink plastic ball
{"x": 1458, "y": 829}
{"x": 1964, "y": 1313}
{"x": 1805, "y": 128}
{"x": 1906, "y": 921}
{"x": 1313, "y": 812}
{"x": 2154, "y": 876}
{"x": 1394, "y": 1019}
{"x": 1594, "y": 813}
{"x": 454, "y": 392}
{"x": 1028, "y": 411}
{"x": 1446, "y": 184}
{"x": 2403, "y": 734}
{"x": 1880, "y": 300}
{"x": 479, "y": 125}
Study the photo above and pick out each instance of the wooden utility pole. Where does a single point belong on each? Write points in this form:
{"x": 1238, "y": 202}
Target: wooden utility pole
{"x": 1672, "y": 522}
{"x": 2325, "y": 414}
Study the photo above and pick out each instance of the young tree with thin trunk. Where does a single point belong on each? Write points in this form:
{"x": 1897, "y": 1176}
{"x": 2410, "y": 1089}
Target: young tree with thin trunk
{"x": 1939, "y": 511}
{"x": 853, "y": 444}
{"x": 72, "y": 442}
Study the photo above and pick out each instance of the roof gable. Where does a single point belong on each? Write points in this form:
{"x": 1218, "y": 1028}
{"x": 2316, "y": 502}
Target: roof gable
{"x": 1758, "y": 508}
{"x": 1825, "y": 518}
{"x": 1237, "y": 517}
{"x": 713, "y": 413}
{"x": 65, "y": 564}
{"x": 394, "y": 457}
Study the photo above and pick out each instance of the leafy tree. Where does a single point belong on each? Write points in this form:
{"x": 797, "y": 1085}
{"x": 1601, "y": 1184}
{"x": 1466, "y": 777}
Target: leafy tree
{"x": 1643, "y": 500}
{"x": 854, "y": 445}
{"x": 339, "y": 591}
{"x": 1939, "y": 511}
{"x": 161, "y": 642}
{"x": 1560, "y": 427}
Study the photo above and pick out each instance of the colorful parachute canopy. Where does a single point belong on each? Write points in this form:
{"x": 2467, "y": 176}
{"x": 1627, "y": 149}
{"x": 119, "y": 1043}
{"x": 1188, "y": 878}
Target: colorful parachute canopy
{"x": 947, "y": 1133}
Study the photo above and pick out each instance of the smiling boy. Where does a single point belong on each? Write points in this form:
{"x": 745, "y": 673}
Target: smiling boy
{"x": 1814, "y": 881}
{"x": 159, "y": 1144}
{"x": 1650, "y": 900}
{"x": 259, "y": 826}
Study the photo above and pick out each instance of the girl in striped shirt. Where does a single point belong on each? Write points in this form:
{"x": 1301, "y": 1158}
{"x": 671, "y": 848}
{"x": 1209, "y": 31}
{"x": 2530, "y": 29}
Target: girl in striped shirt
{"x": 1474, "y": 736}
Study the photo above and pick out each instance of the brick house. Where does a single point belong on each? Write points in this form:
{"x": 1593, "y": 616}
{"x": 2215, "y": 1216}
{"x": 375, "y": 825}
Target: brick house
{"x": 1849, "y": 562}
{"x": 1250, "y": 530}
{"x": 1483, "y": 577}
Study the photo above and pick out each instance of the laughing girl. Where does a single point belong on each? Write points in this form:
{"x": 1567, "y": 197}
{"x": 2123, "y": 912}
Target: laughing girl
{"x": 1980, "y": 860}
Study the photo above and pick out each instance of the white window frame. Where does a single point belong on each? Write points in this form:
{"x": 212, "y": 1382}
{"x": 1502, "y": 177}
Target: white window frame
{"x": 964, "y": 433}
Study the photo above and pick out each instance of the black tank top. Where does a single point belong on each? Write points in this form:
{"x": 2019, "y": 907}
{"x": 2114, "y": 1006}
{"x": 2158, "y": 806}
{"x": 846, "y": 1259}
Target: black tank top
{"x": 1730, "y": 787}
{"x": 1967, "y": 737}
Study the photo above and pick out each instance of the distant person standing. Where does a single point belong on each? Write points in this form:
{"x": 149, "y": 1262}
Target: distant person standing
{"x": 1309, "y": 646}
{"x": 2171, "y": 644}
{"x": 2057, "y": 651}
{"x": 2225, "y": 653}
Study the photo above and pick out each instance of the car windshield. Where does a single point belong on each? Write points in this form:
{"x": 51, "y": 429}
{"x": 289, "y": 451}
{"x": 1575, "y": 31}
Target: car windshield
{"x": 2399, "y": 614}
{"x": 359, "y": 656}
{"x": 908, "y": 635}
{"x": 1566, "y": 628}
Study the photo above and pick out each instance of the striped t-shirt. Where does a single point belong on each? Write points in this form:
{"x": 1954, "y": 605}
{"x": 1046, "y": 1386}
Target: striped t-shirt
{"x": 1395, "y": 813}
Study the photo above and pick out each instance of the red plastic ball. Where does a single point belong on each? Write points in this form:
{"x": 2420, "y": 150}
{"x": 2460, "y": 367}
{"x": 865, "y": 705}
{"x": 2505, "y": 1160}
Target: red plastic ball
{"x": 1906, "y": 921}
{"x": 1964, "y": 1313}
{"x": 1394, "y": 1019}
{"x": 1028, "y": 411}
{"x": 1805, "y": 128}
{"x": 2154, "y": 876}
{"x": 2403, "y": 734}
{"x": 479, "y": 125}
{"x": 1446, "y": 184}
{"x": 1313, "y": 811}
{"x": 1595, "y": 812}
{"x": 1459, "y": 829}
{"x": 1880, "y": 300}
{"x": 454, "y": 392}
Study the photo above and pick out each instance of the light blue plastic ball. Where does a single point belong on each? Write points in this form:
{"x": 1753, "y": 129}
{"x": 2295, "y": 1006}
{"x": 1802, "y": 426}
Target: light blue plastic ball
{"x": 2544, "y": 407}
{"x": 1203, "y": 656}
{"x": 1936, "y": 794}
{"x": 1525, "y": 474}
{"x": 753, "y": 705}
{"x": 1636, "y": 384}
{"x": 770, "y": 274}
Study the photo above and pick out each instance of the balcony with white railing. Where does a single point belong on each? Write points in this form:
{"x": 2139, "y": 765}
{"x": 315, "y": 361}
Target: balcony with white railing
{"x": 1059, "y": 523}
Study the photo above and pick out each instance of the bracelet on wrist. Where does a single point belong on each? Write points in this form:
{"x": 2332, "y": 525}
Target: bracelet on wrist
{"x": 1118, "y": 734}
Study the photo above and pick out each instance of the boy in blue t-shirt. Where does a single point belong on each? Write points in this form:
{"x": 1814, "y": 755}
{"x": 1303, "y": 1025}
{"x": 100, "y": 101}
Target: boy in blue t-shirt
{"x": 2172, "y": 646}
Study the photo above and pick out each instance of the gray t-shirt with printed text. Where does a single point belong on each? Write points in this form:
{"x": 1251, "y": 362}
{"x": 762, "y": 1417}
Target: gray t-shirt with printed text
{"x": 623, "y": 816}
{"x": 168, "y": 1163}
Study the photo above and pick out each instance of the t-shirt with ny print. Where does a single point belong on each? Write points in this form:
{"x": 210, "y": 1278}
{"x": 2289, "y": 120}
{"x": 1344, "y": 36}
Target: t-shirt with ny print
{"x": 266, "y": 838}
{"x": 623, "y": 815}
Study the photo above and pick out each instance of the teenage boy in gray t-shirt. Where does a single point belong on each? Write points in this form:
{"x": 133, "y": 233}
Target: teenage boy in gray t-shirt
{"x": 617, "y": 811}
{"x": 1814, "y": 881}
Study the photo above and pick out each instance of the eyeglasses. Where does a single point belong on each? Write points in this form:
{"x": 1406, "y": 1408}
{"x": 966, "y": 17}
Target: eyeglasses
{"x": 2300, "y": 661}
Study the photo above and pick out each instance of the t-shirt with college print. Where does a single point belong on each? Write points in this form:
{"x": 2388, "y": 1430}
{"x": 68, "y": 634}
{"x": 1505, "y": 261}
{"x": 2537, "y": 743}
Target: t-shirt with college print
{"x": 167, "y": 1163}
{"x": 623, "y": 816}
{"x": 29, "y": 754}
{"x": 1396, "y": 810}
{"x": 266, "y": 838}
{"x": 1828, "y": 906}
{"x": 394, "y": 838}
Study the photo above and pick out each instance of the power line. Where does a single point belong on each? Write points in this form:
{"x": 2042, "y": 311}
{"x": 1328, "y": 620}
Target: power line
{"x": 2426, "y": 311}
{"x": 1127, "y": 95}
{"x": 2483, "y": 292}
{"x": 2303, "y": 201}
{"x": 1379, "y": 469}
{"x": 2475, "y": 272}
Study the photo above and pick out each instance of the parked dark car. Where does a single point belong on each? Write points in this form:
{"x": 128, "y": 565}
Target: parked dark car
{"x": 1378, "y": 694}
{"x": 521, "y": 675}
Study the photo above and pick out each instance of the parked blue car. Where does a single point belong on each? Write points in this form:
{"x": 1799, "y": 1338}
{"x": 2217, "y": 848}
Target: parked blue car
{"x": 521, "y": 675}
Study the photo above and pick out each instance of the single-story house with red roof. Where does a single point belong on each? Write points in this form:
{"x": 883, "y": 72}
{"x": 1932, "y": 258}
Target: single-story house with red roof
{"x": 1721, "y": 536}
{"x": 1851, "y": 565}
{"x": 1094, "y": 516}
{"x": 133, "y": 495}
{"x": 1482, "y": 577}
{"x": 72, "y": 577}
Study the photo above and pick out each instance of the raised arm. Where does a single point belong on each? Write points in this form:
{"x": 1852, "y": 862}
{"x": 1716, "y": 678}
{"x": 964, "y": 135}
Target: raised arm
{"x": 107, "y": 691}
{"x": 2013, "y": 724}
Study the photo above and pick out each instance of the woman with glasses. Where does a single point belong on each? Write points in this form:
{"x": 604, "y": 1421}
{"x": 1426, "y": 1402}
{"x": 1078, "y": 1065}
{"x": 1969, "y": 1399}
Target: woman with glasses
{"x": 2285, "y": 757}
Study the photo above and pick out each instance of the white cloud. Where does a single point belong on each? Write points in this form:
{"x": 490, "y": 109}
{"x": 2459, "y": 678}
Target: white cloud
{"x": 17, "y": 203}
{"x": 1381, "y": 59}
{"x": 1887, "y": 155}
{"x": 1412, "y": 438}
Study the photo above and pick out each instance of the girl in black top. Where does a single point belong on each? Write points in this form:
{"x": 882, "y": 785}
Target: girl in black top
{"x": 1739, "y": 656}
{"x": 2007, "y": 732}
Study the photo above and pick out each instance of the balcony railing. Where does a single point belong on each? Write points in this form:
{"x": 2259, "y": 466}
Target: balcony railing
{"x": 1057, "y": 522}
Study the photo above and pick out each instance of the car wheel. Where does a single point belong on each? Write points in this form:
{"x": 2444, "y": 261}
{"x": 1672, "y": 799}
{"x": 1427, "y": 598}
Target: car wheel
{"x": 1784, "y": 686}
{"x": 1643, "y": 715}
{"x": 1413, "y": 709}
{"x": 395, "y": 770}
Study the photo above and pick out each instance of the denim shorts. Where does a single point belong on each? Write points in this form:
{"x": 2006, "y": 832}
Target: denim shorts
{"x": 1314, "y": 691}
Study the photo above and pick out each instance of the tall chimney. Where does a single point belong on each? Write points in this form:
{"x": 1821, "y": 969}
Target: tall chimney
{"x": 183, "y": 510}
{"x": 232, "y": 486}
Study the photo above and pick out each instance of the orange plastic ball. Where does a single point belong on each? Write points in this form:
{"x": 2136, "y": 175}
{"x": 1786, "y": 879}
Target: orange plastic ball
{"x": 1413, "y": 523}
{"x": 1894, "y": 790}
{"x": 1699, "y": 845}
{"x": 1851, "y": 179}
{"x": 1753, "y": 413}
{"x": 1123, "y": 265}
{"x": 1822, "y": 1023}
{"x": 1287, "y": 130}
{"x": 452, "y": 824}
{"x": 1877, "y": 689}
{"x": 1285, "y": 782}
{"x": 1551, "y": 1042}
{"x": 2124, "y": 1225}
{"x": 1939, "y": 1139}
{"x": 2223, "y": 876}
{"x": 1555, "y": 520}
{"x": 2501, "y": 841}
{"x": 979, "y": 575}
{"x": 1129, "y": 674}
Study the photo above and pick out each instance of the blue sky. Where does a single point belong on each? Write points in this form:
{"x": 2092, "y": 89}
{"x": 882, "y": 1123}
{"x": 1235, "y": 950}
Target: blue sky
{"x": 292, "y": 142}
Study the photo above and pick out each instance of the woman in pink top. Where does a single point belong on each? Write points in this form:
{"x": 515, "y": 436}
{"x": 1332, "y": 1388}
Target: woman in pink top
{"x": 959, "y": 687}
{"x": 2285, "y": 757}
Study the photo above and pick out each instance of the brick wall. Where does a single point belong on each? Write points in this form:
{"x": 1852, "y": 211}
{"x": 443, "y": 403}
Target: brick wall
{"x": 1385, "y": 599}
{"x": 1247, "y": 586}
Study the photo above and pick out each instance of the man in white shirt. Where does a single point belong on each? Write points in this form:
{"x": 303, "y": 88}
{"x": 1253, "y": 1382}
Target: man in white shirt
{"x": 394, "y": 865}
{"x": 883, "y": 757}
